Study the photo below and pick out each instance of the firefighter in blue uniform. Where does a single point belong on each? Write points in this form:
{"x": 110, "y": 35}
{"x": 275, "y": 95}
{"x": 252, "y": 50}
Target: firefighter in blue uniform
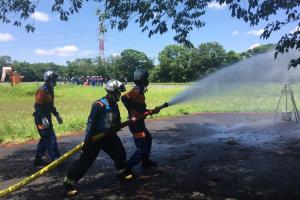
{"x": 104, "y": 118}
{"x": 44, "y": 106}
{"x": 134, "y": 101}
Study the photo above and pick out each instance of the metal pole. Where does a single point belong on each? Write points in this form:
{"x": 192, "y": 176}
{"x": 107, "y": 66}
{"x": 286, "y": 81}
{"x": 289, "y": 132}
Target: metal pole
{"x": 278, "y": 102}
{"x": 285, "y": 87}
{"x": 294, "y": 106}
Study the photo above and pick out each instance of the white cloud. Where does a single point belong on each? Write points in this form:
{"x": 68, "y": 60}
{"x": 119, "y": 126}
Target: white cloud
{"x": 69, "y": 50}
{"x": 254, "y": 46}
{"x": 216, "y": 5}
{"x": 296, "y": 29}
{"x": 40, "y": 16}
{"x": 235, "y": 32}
{"x": 255, "y": 32}
{"x": 86, "y": 53}
{"x": 5, "y": 37}
{"x": 116, "y": 54}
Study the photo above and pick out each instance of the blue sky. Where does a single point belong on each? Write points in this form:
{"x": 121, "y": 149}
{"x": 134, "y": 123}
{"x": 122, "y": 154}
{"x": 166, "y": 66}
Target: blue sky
{"x": 58, "y": 42}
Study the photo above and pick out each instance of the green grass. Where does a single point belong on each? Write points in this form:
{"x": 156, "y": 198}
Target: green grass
{"x": 74, "y": 102}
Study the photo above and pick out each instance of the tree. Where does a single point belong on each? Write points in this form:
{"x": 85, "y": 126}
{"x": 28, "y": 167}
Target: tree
{"x": 257, "y": 50}
{"x": 104, "y": 68}
{"x": 129, "y": 61}
{"x": 173, "y": 63}
{"x": 81, "y": 67}
{"x": 178, "y": 63}
{"x": 182, "y": 16}
{"x": 261, "y": 49}
{"x": 210, "y": 55}
{"x": 34, "y": 72}
{"x": 4, "y": 60}
{"x": 232, "y": 57}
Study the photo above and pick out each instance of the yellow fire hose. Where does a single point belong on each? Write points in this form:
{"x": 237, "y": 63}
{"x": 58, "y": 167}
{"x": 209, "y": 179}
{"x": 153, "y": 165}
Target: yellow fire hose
{"x": 41, "y": 172}
{"x": 57, "y": 162}
{"x": 47, "y": 168}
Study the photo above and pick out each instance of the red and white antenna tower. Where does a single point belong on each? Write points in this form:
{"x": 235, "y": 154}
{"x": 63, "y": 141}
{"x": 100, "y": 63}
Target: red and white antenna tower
{"x": 102, "y": 30}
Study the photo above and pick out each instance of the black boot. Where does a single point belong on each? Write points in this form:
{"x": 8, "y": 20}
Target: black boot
{"x": 69, "y": 187}
{"x": 39, "y": 162}
{"x": 149, "y": 164}
{"x": 125, "y": 175}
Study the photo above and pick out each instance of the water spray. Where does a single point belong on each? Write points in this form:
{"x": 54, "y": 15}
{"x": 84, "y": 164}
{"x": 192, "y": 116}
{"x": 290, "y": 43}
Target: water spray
{"x": 262, "y": 68}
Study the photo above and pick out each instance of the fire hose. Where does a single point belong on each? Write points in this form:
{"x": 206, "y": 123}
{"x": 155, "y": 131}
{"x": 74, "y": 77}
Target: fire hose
{"x": 57, "y": 162}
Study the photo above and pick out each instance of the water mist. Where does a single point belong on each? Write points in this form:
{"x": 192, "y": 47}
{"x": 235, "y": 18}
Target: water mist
{"x": 262, "y": 68}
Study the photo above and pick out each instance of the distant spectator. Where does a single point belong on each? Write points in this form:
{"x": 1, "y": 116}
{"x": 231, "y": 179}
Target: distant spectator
{"x": 73, "y": 80}
{"x": 125, "y": 80}
{"x": 101, "y": 81}
{"x": 93, "y": 81}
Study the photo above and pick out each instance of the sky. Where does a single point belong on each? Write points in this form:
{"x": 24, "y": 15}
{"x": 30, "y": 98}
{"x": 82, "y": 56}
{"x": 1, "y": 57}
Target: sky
{"x": 58, "y": 41}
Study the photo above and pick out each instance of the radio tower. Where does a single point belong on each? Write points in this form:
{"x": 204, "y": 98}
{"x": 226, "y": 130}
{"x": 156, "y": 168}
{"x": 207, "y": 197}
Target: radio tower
{"x": 102, "y": 30}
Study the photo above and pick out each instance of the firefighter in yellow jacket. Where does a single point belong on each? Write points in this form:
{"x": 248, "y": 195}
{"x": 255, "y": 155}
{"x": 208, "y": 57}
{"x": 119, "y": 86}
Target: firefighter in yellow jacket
{"x": 135, "y": 104}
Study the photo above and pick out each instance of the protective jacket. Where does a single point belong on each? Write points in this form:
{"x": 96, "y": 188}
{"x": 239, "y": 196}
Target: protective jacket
{"x": 135, "y": 104}
{"x": 44, "y": 104}
{"x": 134, "y": 101}
{"x": 103, "y": 117}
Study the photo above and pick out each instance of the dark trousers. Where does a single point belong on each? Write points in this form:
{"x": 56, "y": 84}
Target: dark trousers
{"x": 143, "y": 144}
{"x": 47, "y": 142}
{"x": 110, "y": 144}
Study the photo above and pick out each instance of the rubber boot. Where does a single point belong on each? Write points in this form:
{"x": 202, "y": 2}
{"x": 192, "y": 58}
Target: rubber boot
{"x": 39, "y": 162}
{"x": 149, "y": 164}
{"x": 125, "y": 175}
{"x": 69, "y": 187}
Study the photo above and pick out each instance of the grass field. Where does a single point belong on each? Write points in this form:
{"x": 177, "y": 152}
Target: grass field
{"x": 74, "y": 102}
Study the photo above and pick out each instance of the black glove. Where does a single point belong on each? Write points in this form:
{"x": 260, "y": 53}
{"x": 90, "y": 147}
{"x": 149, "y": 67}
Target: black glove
{"x": 155, "y": 111}
{"x": 59, "y": 119}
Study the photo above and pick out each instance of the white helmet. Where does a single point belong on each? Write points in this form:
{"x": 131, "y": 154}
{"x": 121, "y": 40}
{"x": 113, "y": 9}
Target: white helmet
{"x": 50, "y": 75}
{"x": 114, "y": 86}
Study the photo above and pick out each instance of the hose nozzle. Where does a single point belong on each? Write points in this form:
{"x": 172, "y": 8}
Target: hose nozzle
{"x": 163, "y": 106}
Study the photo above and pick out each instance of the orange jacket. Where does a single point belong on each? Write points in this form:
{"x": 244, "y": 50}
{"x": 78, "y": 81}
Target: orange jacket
{"x": 134, "y": 101}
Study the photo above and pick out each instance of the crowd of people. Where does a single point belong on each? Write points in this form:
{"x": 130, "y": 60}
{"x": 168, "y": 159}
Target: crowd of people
{"x": 95, "y": 81}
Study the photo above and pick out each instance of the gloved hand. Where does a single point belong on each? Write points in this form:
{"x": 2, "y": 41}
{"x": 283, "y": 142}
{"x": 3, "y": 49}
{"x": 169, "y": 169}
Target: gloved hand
{"x": 59, "y": 119}
{"x": 155, "y": 111}
{"x": 45, "y": 122}
{"x": 133, "y": 120}
{"x": 113, "y": 130}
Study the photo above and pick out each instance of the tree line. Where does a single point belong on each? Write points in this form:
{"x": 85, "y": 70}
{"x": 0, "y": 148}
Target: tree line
{"x": 176, "y": 63}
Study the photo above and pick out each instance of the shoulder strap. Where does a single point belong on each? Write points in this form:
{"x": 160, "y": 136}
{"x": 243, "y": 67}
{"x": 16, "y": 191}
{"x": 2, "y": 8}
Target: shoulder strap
{"x": 100, "y": 103}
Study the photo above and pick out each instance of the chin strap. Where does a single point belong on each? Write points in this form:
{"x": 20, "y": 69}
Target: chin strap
{"x": 145, "y": 89}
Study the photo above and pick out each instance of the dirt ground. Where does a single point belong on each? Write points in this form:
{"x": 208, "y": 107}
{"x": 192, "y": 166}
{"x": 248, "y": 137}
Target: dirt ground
{"x": 203, "y": 156}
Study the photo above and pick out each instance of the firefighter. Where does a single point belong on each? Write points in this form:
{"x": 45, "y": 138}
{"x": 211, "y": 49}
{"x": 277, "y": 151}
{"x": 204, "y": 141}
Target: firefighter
{"x": 44, "y": 106}
{"x": 104, "y": 118}
{"x": 134, "y": 102}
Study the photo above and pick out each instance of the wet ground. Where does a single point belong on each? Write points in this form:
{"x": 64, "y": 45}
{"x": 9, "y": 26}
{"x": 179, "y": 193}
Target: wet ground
{"x": 203, "y": 156}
